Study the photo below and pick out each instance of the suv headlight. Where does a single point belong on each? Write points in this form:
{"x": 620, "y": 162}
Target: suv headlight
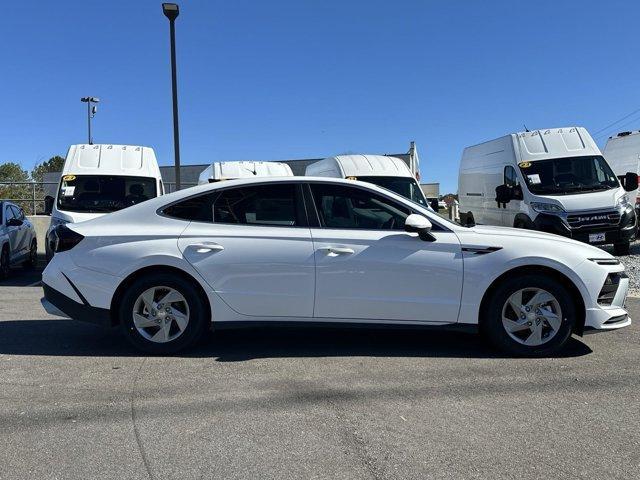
{"x": 546, "y": 207}
{"x": 55, "y": 221}
{"x": 623, "y": 202}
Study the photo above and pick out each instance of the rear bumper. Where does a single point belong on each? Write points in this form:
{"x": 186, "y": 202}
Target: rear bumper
{"x": 55, "y": 303}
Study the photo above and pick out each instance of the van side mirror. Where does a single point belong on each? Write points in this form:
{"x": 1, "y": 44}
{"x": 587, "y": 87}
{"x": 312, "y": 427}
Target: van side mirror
{"x": 48, "y": 205}
{"x": 516, "y": 193}
{"x": 504, "y": 194}
{"x": 630, "y": 181}
{"x": 421, "y": 225}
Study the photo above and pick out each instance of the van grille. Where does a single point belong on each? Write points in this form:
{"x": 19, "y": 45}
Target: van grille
{"x": 594, "y": 219}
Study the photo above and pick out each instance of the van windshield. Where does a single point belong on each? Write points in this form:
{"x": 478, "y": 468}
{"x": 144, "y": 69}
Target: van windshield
{"x": 570, "y": 175}
{"x": 103, "y": 193}
{"x": 404, "y": 186}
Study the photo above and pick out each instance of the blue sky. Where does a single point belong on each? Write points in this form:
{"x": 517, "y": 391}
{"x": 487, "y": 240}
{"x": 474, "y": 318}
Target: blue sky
{"x": 277, "y": 79}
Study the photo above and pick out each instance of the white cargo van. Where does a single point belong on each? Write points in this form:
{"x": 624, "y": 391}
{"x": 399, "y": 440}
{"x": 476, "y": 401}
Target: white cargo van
{"x": 554, "y": 180}
{"x": 385, "y": 171}
{"x": 98, "y": 179}
{"x": 622, "y": 153}
{"x": 219, "y": 171}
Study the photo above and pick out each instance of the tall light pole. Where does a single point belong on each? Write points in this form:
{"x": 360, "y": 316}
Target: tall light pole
{"x": 171, "y": 11}
{"x": 91, "y": 112}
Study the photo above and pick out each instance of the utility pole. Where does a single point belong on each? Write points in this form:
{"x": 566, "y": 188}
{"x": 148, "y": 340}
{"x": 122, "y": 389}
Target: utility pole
{"x": 91, "y": 112}
{"x": 171, "y": 11}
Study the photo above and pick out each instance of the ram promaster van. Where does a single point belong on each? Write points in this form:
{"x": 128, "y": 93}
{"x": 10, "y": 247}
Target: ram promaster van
{"x": 622, "y": 152}
{"x": 219, "y": 171}
{"x": 553, "y": 180}
{"x": 382, "y": 170}
{"x": 98, "y": 179}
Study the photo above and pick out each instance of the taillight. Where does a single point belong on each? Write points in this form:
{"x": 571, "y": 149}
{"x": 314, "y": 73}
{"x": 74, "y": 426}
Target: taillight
{"x": 65, "y": 239}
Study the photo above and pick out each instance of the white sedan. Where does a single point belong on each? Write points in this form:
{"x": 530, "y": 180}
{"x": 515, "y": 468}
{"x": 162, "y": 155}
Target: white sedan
{"x": 318, "y": 250}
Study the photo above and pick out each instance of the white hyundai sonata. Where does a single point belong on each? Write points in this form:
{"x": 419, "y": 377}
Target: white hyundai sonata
{"x": 319, "y": 250}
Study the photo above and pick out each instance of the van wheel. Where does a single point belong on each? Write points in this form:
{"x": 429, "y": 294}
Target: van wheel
{"x": 32, "y": 261}
{"x": 4, "y": 262}
{"x": 530, "y": 315}
{"x": 621, "y": 248}
{"x": 163, "y": 314}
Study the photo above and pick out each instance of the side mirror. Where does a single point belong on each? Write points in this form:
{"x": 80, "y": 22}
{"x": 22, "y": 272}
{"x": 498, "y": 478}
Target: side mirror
{"x": 48, "y": 205}
{"x": 14, "y": 222}
{"x": 630, "y": 181}
{"x": 504, "y": 194}
{"x": 516, "y": 193}
{"x": 434, "y": 204}
{"x": 421, "y": 225}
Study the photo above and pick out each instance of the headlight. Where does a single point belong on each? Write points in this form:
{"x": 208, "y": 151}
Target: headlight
{"x": 55, "y": 221}
{"x": 623, "y": 201}
{"x": 547, "y": 207}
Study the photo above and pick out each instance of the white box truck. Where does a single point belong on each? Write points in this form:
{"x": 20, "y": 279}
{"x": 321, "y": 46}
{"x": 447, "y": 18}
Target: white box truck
{"x": 98, "y": 179}
{"x": 382, "y": 170}
{"x": 219, "y": 171}
{"x": 553, "y": 180}
{"x": 622, "y": 153}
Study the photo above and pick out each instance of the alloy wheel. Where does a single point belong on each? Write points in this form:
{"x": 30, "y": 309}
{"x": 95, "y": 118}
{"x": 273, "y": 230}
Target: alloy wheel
{"x": 161, "y": 314}
{"x": 532, "y": 316}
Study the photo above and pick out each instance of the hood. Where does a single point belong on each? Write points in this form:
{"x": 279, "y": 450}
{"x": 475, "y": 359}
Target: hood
{"x": 589, "y": 251}
{"x": 598, "y": 200}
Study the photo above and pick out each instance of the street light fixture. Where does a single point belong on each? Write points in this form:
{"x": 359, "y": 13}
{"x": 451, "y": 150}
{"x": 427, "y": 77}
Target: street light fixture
{"x": 91, "y": 112}
{"x": 171, "y": 11}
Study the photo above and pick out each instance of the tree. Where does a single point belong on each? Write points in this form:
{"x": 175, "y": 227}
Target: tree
{"x": 54, "y": 164}
{"x": 12, "y": 172}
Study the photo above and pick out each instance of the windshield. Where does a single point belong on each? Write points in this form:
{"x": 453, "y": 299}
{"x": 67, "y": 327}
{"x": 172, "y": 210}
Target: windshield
{"x": 103, "y": 193}
{"x": 405, "y": 186}
{"x": 568, "y": 175}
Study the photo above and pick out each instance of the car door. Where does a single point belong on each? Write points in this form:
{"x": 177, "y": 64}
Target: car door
{"x": 253, "y": 247}
{"x": 368, "y": 267}
{"x": 511, "y": 209}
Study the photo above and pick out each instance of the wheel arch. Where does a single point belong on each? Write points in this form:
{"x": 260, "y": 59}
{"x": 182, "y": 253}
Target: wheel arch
{"x": 524, "y": 220}
{"x": 537, "y": 270}
{"x": 153, "y": 270}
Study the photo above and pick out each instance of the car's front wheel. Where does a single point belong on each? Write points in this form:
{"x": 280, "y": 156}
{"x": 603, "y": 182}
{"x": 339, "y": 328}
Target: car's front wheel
{"x": 32, "y": 259}
{"x": 4, "y": 262}
{"x": 163, "y": 314}
{"x": 530, "y": 315}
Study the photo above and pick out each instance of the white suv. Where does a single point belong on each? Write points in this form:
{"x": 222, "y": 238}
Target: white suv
{"x": 17, "y": 238}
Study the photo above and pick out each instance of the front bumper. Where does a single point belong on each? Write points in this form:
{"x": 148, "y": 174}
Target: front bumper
{"x": 622, "y": 233}
{"x": 604, "y": 317}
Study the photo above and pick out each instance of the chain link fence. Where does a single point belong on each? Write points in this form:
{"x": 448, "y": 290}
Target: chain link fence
{"x": 30, "y": 195}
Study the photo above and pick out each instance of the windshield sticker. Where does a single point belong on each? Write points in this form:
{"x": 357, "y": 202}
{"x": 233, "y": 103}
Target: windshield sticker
{"x": 524, "y": 164}
{"x": 68, "y": 191}
{"x": 69, "y": 178}
{"x": 534, "y": 179}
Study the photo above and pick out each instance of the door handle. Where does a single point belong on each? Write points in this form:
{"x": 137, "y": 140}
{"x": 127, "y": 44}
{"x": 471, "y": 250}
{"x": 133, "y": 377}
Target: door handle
{"x": 206, "y": 247}
{"x": 339, "y": 250}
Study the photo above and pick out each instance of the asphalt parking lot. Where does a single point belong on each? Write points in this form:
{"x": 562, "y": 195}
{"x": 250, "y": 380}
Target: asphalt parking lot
{"x": 79, "y": 403}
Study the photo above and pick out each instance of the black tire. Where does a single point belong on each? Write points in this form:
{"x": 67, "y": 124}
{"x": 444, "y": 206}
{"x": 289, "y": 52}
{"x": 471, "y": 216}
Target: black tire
{"x": 199, "y": 314}
{"x": 492, "y": 328}
{"x": 4, "y": 262}
{"x": 32, "y": 261}
{"x": 621, "y": 248}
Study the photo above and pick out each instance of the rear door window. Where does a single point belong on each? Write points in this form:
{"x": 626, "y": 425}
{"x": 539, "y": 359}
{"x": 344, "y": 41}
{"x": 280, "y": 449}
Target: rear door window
{"x": 276, "y": 205}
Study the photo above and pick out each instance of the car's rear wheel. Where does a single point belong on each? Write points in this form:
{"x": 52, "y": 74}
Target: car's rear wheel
{"x": 4, "y": 262}
{"x": 32, "y": 260}
{"x": 163, "y": 314}
{"x": 531, "y": 315}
